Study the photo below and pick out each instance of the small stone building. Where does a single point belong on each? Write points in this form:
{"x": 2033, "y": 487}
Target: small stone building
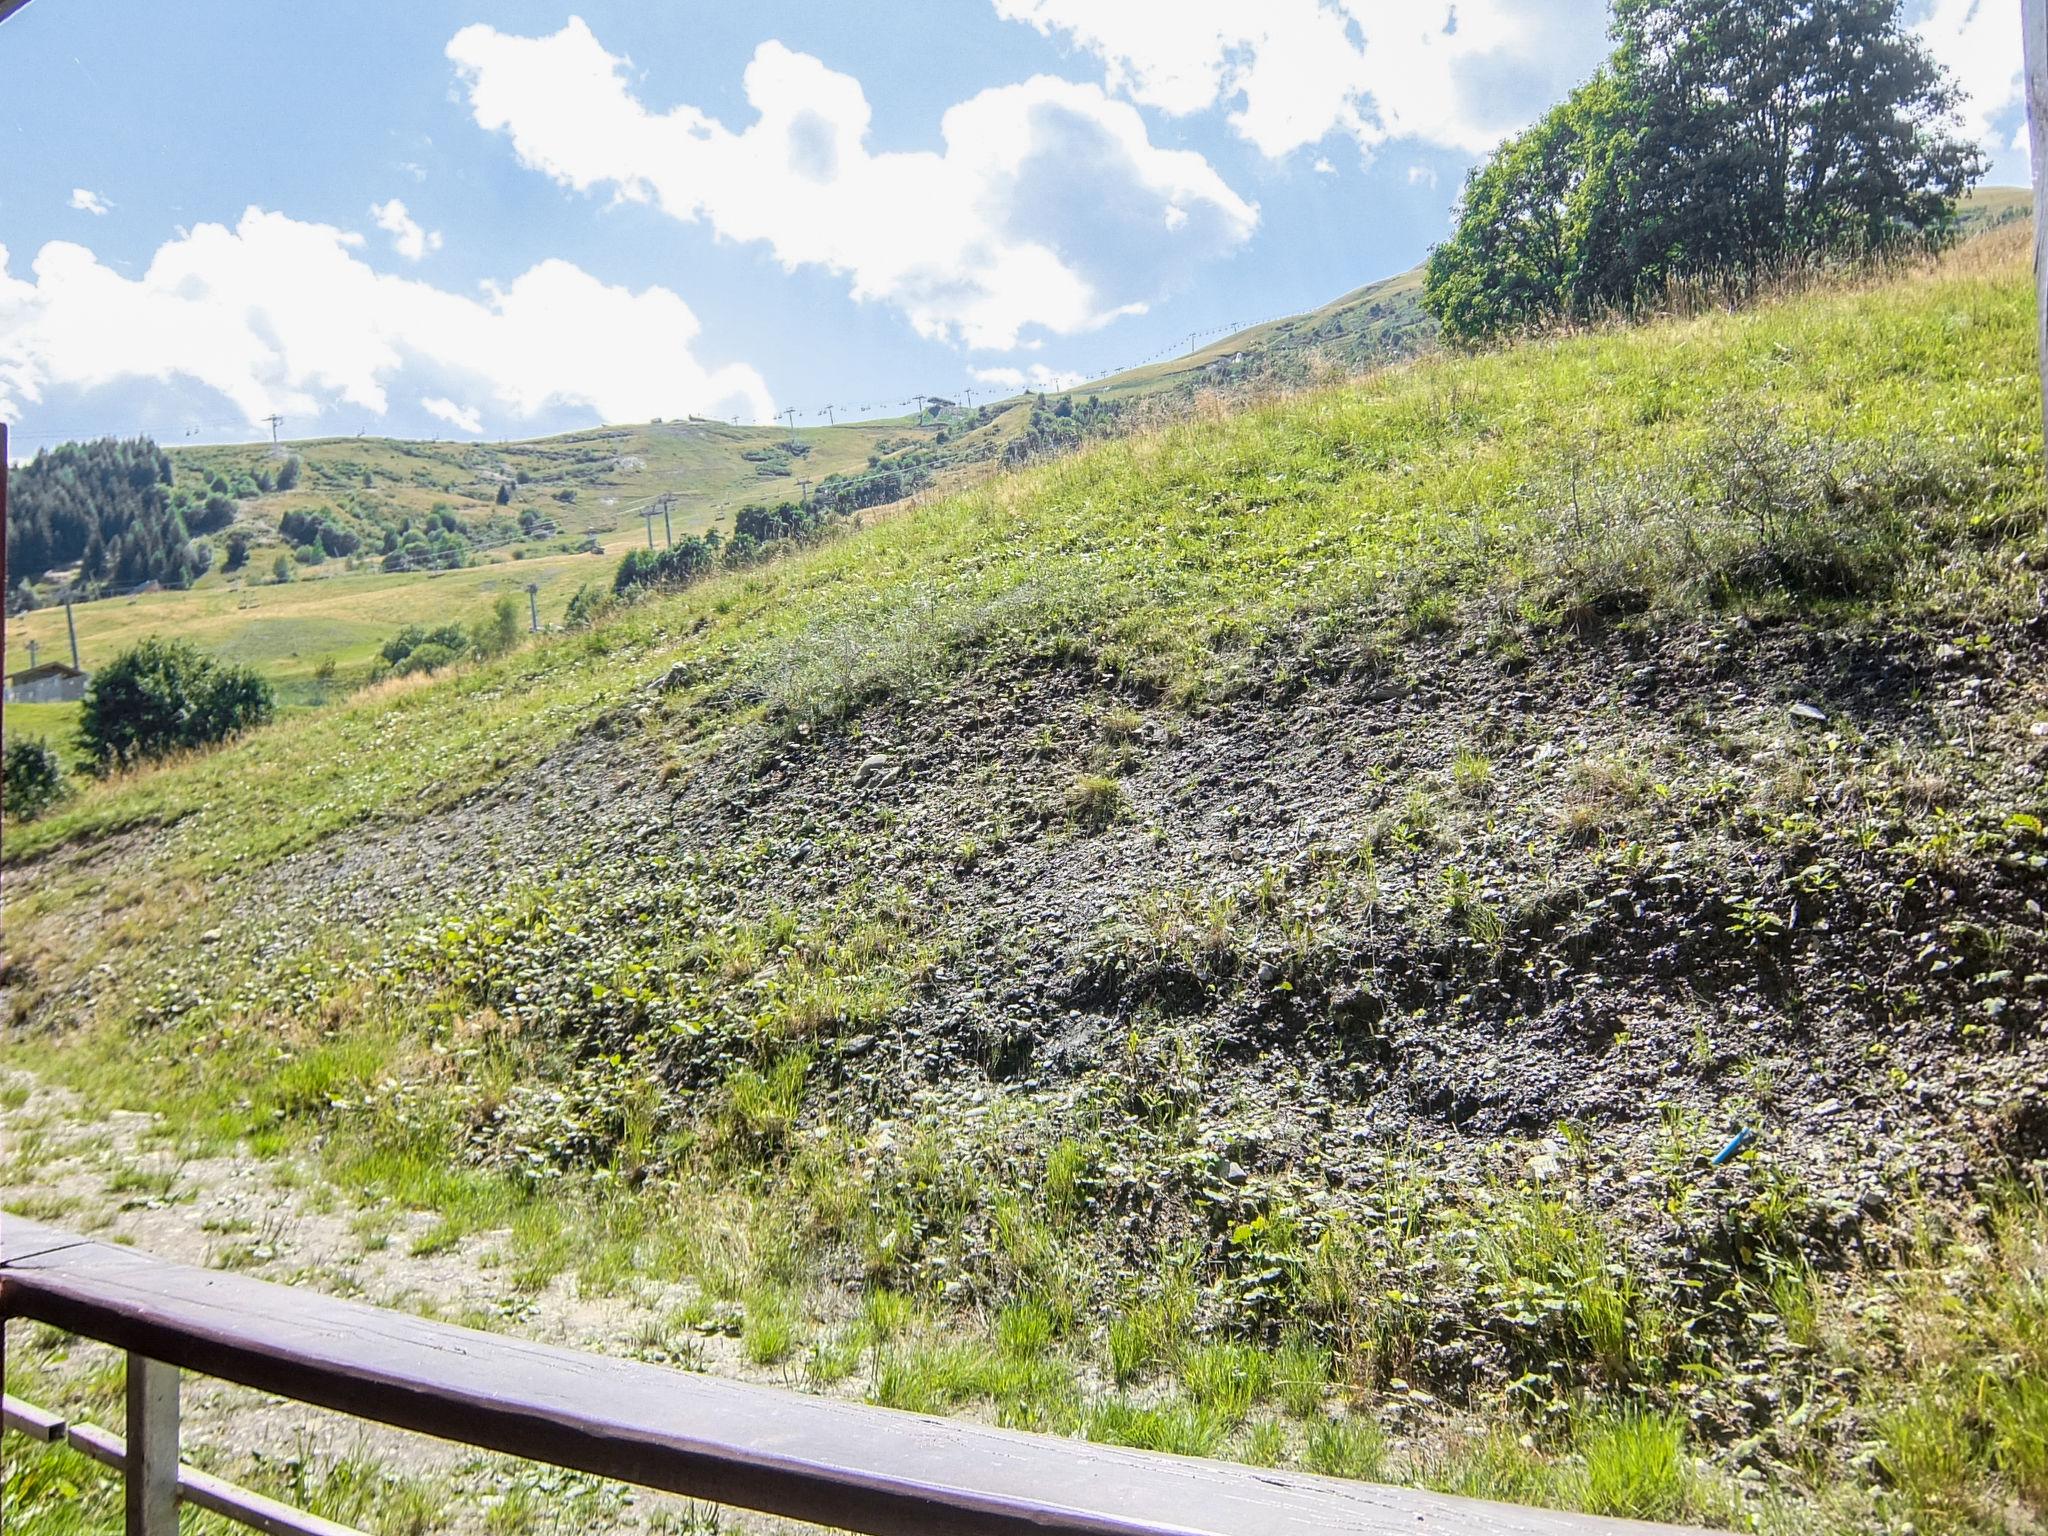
{"x": 54, "y": 682}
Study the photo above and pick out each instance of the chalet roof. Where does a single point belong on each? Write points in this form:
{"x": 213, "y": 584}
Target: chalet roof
{"x": 47, "y": 669}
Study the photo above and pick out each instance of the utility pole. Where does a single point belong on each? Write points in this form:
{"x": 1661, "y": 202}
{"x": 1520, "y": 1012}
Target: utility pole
{"x": 33, "y": 647}
{"x": 803, "y": 492}
{"x": 830, "y": 419}
{"x": 71, "y": 624}
{"x": 2034, "y": 22}
{"x": 533, "y": 603}
{"x": 650, "y": 513}
{"x": 666, "y": 500}
{"x": 920, "y": 409}
{"x": 791, "y": 414}
{"x": 275, "y": 421}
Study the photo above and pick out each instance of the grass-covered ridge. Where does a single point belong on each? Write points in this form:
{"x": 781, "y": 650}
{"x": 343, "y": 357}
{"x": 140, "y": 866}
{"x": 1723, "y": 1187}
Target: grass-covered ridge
{"x": 1174, "y": 557}
{"x": 1241, "y": 941}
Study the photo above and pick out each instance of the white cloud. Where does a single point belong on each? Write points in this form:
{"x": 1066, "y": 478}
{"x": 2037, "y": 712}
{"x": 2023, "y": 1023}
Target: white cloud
{"x": 1048, "y": 206}
{"x": 1038, "y": 378}
{"x": 1979, "y": 42}
{"x": 1323, "y": 167}
{"x": 464, "y": 418}
{"x": 280, "y": 315}
{"x": 1455, "y": 73}
{"x": 407, "y": 238}
{"x": 1458, "y": 74}
{"x": 1421, "y": 176}
{"x": 89, "y": 202}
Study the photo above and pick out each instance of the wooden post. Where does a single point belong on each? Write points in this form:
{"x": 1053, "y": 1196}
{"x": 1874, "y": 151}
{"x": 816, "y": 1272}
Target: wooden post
{"x": 151, "y": 1477}
{"x": 2035, "y": 21}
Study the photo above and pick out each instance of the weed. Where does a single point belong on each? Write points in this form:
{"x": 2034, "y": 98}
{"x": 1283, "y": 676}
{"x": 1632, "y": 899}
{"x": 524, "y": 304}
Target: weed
{"x": 1231, "y": 1379}
{"x": 1181, "y": 1429}
{"x": 1347, "y": 1447}
{"x": 1635, "y": 1465}
{"x": 1095, "y": 802}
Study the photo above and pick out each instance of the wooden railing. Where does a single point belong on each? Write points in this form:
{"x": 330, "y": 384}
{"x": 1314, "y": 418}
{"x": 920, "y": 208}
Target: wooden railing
{"x": 842, "y": 1465}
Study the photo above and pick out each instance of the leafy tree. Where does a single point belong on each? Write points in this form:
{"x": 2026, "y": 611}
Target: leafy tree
{"x": 281, "y": 569}
{"x": 1723, "y": 138}
{"x": 33, "y": 777}
{"x": 163, "y": 696}
{"x": 238, "y": 551}
{"x": 684, "y": 562}
{"x": 288, "y": 474}
{"x": 500, "y": 632}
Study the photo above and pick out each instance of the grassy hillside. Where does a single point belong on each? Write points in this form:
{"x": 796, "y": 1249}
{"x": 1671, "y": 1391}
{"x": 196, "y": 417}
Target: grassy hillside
{"x": 611, "y": 471}
{"x": 1383, "y": 322}
{"x": 336, "y": 614}
{"x": 292, "y": 632}
{"x": 1245, "y": 940}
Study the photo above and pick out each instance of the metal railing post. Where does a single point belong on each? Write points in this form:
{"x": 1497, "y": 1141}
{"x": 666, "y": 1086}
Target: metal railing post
{"x": 151, "y": 1476}
{"x": 2034, "y": 49}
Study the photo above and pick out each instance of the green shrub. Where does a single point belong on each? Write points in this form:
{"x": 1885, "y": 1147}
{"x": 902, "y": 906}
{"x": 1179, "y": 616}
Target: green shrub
{"x": 451, "y": 638}
{"x": 164, "y": 696}
{"x": 1762, "y": 512}
{"x": 427, "y": 658}
{"x": 587, "y": 606}
{"x": 34, "y": 778}
{"x": 500, "y": 632}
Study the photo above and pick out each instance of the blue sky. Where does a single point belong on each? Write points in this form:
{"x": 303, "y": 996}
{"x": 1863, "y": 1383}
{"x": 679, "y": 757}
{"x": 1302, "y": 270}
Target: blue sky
{"x": 504, "y": 217}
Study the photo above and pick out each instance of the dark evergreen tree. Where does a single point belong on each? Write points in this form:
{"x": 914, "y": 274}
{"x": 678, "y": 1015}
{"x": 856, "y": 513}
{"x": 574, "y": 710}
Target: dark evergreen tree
{"x": 105, "y": 504}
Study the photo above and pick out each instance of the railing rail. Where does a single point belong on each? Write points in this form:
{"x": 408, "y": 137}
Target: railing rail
{"x": 843, "y": 1465}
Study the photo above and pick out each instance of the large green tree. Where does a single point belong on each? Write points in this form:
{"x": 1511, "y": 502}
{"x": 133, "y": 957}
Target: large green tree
{"x": 1722, "y": 139}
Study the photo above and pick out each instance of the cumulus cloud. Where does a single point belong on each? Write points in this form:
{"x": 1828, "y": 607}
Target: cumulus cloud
{"x": 1979, "y": 42}
{"x": 89, "y": 202}
{"x": 1459, "y": 74}
{"x": 1038, "y": 378}
{"x": 280, "y": 315}
{"x": 1049, "y": 206}
{"x": 407, "y": 238}
{"x": 1455, "y": 74}
{"x": 464, "y": 418}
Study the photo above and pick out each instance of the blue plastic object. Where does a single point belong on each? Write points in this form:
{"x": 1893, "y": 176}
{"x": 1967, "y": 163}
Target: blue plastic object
{"x": 1736, "y": 1147}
